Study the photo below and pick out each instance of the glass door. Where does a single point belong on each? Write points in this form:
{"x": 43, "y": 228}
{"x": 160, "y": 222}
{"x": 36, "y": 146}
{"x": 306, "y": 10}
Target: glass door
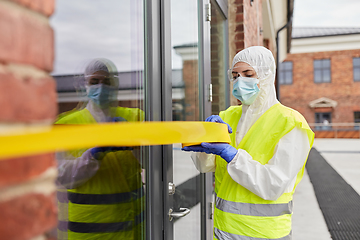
{"x": 185, "y": 107}
{"x": 189, "y": 38}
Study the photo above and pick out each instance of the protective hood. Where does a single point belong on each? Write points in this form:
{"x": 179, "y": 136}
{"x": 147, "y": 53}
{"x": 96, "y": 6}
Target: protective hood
{"x": 263, "y": 62}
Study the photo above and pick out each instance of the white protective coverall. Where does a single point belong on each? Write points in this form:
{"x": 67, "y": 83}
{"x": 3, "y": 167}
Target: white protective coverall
{"x": 278, "y": 176}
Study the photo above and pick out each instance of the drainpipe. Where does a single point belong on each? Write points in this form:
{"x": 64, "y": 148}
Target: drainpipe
{"x": 290, "y": 16}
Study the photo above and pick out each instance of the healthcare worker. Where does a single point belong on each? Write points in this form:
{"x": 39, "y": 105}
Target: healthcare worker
{"x": 256, "y": 175}
{"x": 100, "y": 193}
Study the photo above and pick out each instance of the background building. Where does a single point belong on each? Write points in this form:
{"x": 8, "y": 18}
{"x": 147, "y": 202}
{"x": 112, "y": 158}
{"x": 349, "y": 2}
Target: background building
{"x": 321, "y": 79}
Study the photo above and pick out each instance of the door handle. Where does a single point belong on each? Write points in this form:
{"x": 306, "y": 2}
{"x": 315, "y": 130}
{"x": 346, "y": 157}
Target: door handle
{"x": 176, "y": 215}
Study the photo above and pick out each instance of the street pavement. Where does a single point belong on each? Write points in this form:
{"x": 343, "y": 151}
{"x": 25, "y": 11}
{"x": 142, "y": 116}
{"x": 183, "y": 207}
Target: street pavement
{"x": 344, "y": 156}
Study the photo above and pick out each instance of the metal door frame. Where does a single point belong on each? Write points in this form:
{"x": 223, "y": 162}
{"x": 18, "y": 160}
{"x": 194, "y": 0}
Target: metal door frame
{"x": 157, "y": 74}
{"x": 158, "y": 107}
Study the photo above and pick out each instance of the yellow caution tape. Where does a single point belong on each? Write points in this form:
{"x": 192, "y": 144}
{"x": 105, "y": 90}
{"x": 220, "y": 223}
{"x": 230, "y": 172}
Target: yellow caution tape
{"x": 69, "y": 137}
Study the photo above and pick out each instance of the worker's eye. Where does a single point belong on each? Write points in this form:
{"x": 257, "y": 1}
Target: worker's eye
{"x": 235, "y": 75}
{"x": 94, "y": 81}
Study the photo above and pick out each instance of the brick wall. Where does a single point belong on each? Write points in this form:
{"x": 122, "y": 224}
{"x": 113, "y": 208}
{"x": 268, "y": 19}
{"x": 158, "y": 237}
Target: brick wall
{"x": 342, "y": 88}
{"x": 27, "y": 96}
{"x": 245, "y": 22}
{"x": 190, "y": 77}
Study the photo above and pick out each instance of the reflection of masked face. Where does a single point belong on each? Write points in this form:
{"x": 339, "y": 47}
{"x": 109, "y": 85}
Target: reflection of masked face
{"x": 100, "y": 94}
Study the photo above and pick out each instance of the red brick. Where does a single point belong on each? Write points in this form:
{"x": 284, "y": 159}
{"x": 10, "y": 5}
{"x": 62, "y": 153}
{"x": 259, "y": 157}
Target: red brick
{"x": 27, "y": 216}
{"x": 27, "y": 99}
{"x": 19, "y": 170}
{"x": 240, "y": 9}
{"x": 240, "y": 45}
{"x": 239, "y": 28}
{"x": 239, "y": 37}
{"x": 45, "y": 7}
{"x": 239, "y": 17}
{"x": 26, "y": 38}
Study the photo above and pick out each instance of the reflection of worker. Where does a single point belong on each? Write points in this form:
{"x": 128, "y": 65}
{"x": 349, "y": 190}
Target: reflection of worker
{"x": 102, "y": 189}
{"x": 256, "y": 175}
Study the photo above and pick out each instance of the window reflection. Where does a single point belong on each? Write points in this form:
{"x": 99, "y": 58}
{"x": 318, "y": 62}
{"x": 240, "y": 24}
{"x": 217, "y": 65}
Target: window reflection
{"x": 99, "y": 66}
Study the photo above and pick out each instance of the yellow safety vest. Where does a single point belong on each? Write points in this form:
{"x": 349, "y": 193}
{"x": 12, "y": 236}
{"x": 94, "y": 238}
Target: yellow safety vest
{"x": 239, "y": 213}
{"x": 110, "y": 205}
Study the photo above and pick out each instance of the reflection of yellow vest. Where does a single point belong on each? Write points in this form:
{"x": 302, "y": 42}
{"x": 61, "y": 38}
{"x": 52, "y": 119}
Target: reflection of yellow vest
{"x": 110, "y": 205}
{"x": 239, "y": 213}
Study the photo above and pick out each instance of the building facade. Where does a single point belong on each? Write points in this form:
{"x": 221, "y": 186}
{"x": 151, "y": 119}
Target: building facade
{"x": 320, "y": 79}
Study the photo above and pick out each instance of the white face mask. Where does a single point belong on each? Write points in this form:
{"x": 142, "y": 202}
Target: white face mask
{"x": 246, "y": 89}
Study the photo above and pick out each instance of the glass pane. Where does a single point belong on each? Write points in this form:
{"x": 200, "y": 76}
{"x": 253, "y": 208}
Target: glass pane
{"x": 288, "y": 65}
{"x": 218, "y": 62}
{"x": 281, "y": 66}
{"x": 356, "y": 62}
{"x": 326, "y": 63}
{"x": 282, "y": 77}
{"x": 99, "y": 64}
{"x": 357, "y": 117}
{"x": 357, "y": 74}
{"x": 317, "y": 76}
{"x": 288, "y": 77}
{"x": 326, "y": 75}
{"x": 184, "y": 37}
{"x": 317, "y": 64}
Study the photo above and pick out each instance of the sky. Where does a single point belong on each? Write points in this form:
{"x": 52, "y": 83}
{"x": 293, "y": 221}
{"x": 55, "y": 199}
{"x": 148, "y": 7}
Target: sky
{"x": 113, "y": 29}
{"x": 326, "y": 13}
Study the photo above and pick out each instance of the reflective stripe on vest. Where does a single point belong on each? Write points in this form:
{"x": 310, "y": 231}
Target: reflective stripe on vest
{"x": 263, "y": 210}
{"x": 80, "y": 227}
{"x": 221, "y": 235}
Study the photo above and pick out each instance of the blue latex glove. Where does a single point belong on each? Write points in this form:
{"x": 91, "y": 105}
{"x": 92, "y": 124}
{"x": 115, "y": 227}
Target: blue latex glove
{"x": 99, "y": 152}
{"x": 217, "y": 118}
{"x": 224, "y": 150}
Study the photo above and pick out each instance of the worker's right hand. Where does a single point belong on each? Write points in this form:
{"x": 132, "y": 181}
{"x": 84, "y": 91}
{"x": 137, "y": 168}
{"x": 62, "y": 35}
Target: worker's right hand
{"x": 217, "y": 118}
{"x": 99, "y": 152}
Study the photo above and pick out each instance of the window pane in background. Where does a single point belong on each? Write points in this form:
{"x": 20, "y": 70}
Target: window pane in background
{"x": 326, "y": 63}
{"x": 317, "y": 64}
{"x": 326, "y": 75}
{"x": 288, "y": 66}
{"x": 288, "y": 77}
{"x": 357, "y": 117}
{"x": 317, "y": 76}
{"x": 282, "y": 78}
{"x": 357, "y": 74}
{"x": 356, "y": 62}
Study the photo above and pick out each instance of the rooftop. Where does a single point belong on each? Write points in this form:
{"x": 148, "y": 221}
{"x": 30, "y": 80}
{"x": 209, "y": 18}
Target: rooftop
{"x": 309, "y": 32}
{"x": 127, "y": 80}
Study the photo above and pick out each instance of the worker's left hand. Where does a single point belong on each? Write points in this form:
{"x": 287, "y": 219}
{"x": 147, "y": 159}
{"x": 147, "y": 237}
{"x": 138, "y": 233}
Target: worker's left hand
{"x": 224, "y": 150}
{"x": 217, "y": 118}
